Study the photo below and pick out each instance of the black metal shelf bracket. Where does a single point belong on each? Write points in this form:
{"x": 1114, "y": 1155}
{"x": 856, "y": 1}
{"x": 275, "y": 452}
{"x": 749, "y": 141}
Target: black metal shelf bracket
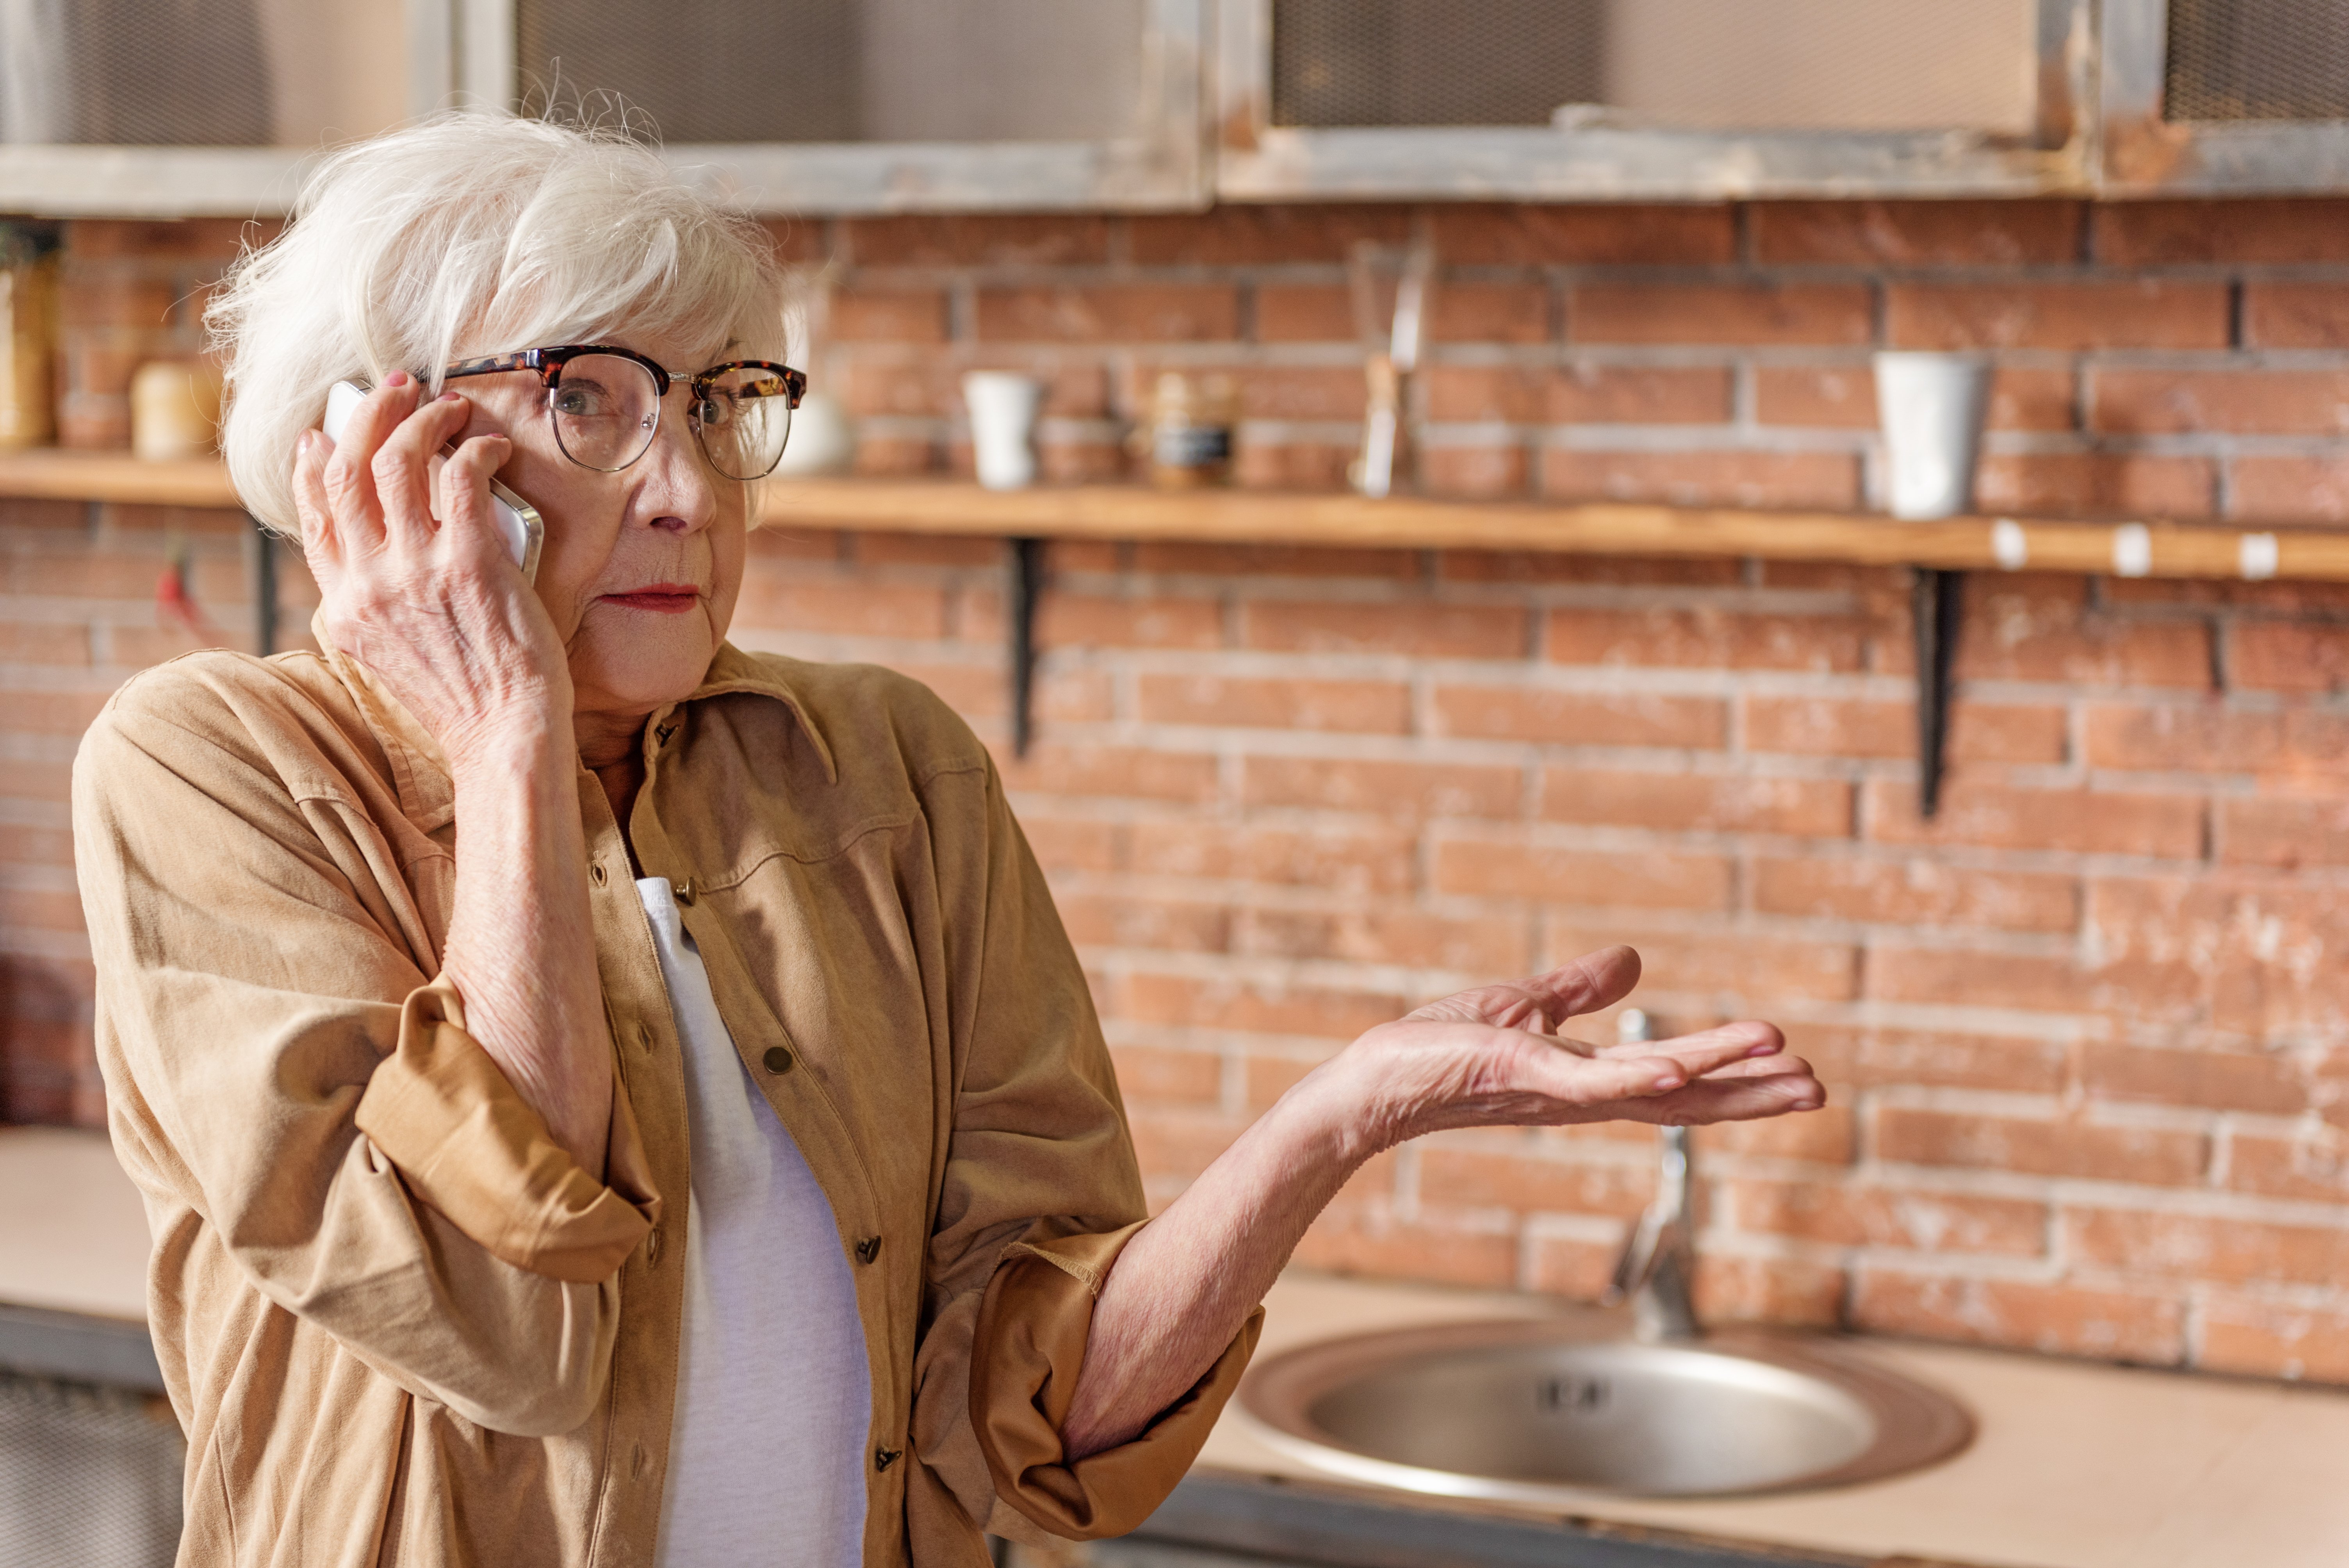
{"x": 264, "y": 589}
{"x": 1025, "y": 588}
{"x": 1936, "y": 598}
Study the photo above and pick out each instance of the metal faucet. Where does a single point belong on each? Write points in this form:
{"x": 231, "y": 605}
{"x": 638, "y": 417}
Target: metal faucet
{"x": 1660, "y": 1261}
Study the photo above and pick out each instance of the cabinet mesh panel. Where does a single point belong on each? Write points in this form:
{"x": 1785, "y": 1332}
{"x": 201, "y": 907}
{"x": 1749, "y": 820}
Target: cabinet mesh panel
{"x": 2257, "y": 59}
{"x": 88, "y": 1478}
{"x": 144, "y": 72}
{"x": 1724, "y": 65}
{"x": 840, "y": 70}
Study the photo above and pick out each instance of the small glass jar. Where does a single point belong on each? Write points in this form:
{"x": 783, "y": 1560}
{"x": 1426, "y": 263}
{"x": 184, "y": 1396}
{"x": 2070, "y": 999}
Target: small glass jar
{"x": 175, "y": 409}
{"x": 28, "y": 316}
{"x": 1192, "y": 426}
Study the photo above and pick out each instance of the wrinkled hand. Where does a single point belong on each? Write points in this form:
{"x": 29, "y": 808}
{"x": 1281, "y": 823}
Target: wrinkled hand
{"x": 434, "y": 608}
{"x": 1491, "y": 1057}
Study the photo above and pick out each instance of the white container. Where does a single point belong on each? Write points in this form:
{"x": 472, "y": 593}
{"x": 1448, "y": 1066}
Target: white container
{"x": 1003, "y": 425}
{"x": 1932, "y": 407}
{"x": 822, "y": 439}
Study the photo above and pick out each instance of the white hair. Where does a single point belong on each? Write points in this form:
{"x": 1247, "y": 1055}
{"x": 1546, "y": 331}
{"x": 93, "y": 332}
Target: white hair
{"x": 472, "y": 234}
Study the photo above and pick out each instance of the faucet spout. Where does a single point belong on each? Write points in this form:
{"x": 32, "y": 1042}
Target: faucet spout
{"x": 1659, "y": 1265}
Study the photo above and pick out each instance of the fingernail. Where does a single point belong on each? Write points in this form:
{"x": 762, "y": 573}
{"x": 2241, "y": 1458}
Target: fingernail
{"x": 448, "y": 397}
{"x": 396, "y": 378}
{"x": 1765, "y": 1049}
{"x": 1802, "y": 1105}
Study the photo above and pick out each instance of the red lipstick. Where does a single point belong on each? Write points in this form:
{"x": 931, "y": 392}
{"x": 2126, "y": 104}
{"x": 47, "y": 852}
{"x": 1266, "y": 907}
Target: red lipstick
{"x": 660, "y": 598}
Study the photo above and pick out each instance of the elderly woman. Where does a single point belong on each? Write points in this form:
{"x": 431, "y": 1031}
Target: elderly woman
{"x": 602, "y": 1096}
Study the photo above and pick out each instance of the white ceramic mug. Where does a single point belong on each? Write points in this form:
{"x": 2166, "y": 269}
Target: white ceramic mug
{"x": 1003, "y": 425}
{"x": 1932, "y": 407}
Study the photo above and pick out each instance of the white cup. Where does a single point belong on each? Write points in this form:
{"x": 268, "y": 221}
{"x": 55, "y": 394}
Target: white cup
{"x": 1003, "y": 425}
{"x": 1932, "y": 407}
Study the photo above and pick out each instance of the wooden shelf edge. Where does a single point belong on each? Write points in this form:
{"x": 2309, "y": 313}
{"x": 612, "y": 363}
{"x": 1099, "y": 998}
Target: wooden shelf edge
{"x": 2147, "y": 547}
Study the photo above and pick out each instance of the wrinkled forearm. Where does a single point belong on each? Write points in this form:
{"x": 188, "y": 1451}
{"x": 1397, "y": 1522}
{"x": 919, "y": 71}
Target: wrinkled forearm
{"x": 521, "y": 951}
{"x": 1188, "y": 1280}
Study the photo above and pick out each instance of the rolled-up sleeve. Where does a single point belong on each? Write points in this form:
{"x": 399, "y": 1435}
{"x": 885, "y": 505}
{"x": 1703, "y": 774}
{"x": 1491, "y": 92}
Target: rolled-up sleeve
{"x": 1041, "y": 1192}
{"x": 274, "y": 1041}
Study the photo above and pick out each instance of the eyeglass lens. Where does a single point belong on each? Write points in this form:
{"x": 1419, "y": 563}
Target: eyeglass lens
{"x": 605, "y": 410}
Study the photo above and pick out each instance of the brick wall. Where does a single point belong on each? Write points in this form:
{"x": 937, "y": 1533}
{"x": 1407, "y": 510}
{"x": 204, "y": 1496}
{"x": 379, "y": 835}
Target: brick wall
{"x": 2085, "y": 1032}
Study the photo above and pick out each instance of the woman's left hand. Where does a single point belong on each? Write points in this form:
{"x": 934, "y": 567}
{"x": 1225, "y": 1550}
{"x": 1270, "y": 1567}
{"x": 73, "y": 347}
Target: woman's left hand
{"x": 1491, "y": 1057}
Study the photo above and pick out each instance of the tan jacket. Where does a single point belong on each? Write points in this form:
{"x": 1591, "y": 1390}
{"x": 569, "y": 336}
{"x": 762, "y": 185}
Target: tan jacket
{"x": 398, "y": 1323}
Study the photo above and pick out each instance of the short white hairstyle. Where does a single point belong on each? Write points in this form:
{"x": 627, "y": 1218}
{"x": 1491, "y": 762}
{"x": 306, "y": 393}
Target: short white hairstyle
{"x": 470, "y": 234}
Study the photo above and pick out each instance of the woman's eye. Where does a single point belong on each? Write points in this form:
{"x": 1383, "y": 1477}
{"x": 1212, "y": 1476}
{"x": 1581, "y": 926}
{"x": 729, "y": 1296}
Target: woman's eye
{"x": 580, "y": 402}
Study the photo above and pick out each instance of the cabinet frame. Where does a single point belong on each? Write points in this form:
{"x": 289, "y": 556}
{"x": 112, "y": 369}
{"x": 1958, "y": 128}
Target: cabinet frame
{"x": 2142, "y": 154}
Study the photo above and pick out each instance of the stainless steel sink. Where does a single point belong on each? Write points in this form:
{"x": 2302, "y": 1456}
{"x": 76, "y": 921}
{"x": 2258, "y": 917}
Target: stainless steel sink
{"x": 1539, "y": 1411}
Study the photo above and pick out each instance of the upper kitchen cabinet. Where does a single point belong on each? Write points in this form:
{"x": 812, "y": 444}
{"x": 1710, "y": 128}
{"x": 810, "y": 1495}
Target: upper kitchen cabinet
{"x": 2224, "y": 96}
{"x": 1588, "y": 99}
{"x": 168, "y": 107}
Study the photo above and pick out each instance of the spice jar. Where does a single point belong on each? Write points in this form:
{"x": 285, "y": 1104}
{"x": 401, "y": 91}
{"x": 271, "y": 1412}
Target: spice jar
{"x": 175, "y": 408}
{"x": 1191, "y": 426}
{"x": 27, "y": 342}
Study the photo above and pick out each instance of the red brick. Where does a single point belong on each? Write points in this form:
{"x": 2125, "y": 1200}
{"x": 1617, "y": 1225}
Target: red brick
{"x": 1681, "y": 801}
{"x": 52, "y": 712}
{"x": 1484, "y": 945}
{"x": 2170, "y": 738}
{"x": 1580, "y": 719}
{"x": 1422, "y": 631}
{"x": 1051, "y": 768}
{"x": 2262, "y": 1339}
{"x": 1703, "y": 638}
{"x": 1270, "y": 1078}
{"x": 116, "y": 299}
{"x": 2234, "y": 402}
{"x": 1109, "y": 312}
{"x": 2092, "y": 483}
{"x": 2203, "y": 1079}
{"x": 1916, "y": 892}
{"x": 1828, "y": 1136}
{"x": 1962, "y": 977}
{"x": 2288, "y": 656}
{"x": 1704, "y": 478}
{"x": 1071, "y": 843}
{"x": 1301, "y": 392}
{"x": 1843, "y": 397}
{"x": 1180, "y": 999}
{"x": 969, "y": 240}
{"x": 1913, "y": 233}
{"x": 1758, "y": 314}
{"x": 1611, "y": 234}
{"x": 1483, "y": 1179}
{"x": 1525, "y": 566}
{"x": 2283, "y": 832}
{"x": 1789, "y": 1292}
{"x": 2026, "y": 632}
{"x": 848, "y": 606}
{"x": 890, "y": 456}
{"x": 888, "y": 315}
{"x": 1838, "y": 726}
{"x": 1248, "y": 234}
{"x": 43, "y": 644}
{"x": 1304, "y": 312}
{"x": 1882, "y": 1057}
{"x": 2153, "y": 1157}
{"x": 1065, "y": 620}
{"x": 2311, "y": 1166}
{"x": 2288, "y": 489}
{"x": 1261, "y": 560}
{"x": 1402, "y": 789}
{"x": 2106, "y": 313}
{"x": 1574, "y": 1268}
{"x": 1850, "y": 1215}
{"x": 1157, "y": 922}
{"x": 2296, "y": 315}
{"x": 1171, "y": 1141}
{"x": 1357, "y": 860}
{"x": 2206, "y": 1247}
{"x": 2055, "y": 1319}
{"x": 1489, "y": 313}
{"x": 2157, "y": 233}
{"x": 1374, "y": 1243}
{"x": 1509, "y": 868}
{"x": 1588, "y": 394}
{"x": 1374, "y": 706}
{"x": 1160, "y": 1074}
{"x": 1728, "y": 968}
{"x": 2241, "y": 956}
{"x": 197, "y": 239}
{"x": 1502, "y": 394}
{"x": 1484, "y": 471}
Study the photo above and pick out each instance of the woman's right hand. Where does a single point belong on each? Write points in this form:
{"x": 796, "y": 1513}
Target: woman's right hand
{"x": 433, "y": 607}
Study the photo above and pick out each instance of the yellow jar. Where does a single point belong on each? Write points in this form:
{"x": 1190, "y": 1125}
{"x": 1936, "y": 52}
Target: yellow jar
{"x": 28, "y": 296}
{"x": 175, "y": 407}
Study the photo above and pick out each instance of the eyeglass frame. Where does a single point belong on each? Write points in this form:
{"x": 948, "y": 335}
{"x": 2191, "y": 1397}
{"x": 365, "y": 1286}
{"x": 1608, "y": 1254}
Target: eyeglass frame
{"x": 548, "y": 363}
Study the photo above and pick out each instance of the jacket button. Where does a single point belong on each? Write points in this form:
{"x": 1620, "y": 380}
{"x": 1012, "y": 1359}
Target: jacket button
{"x": 868, "y": 1249}
{"x": 684, "y": 892}
{"x": 883, "y": 1457}
{"x": 777, "y": 1061}
{"x": 595, "y": 873}
{"x": 653, "y": 1247}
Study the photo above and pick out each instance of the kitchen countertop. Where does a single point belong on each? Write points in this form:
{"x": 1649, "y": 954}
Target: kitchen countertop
{"x": 2075, "y": 1465}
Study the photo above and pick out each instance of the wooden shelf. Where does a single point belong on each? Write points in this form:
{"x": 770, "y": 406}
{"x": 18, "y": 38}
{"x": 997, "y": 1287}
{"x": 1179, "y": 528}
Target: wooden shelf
{"x": 2146, "y": 548}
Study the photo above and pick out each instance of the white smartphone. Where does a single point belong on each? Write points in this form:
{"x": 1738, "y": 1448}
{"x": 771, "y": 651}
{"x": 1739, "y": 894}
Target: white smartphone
{"x": 517, "y": 521}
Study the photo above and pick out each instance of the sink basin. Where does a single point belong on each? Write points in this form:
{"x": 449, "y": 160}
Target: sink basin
{"x": 1543, "y": 1411}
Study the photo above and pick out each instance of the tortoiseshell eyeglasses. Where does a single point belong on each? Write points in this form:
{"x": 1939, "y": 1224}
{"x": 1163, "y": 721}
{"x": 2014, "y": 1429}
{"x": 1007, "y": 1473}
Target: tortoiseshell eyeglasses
{"x": 604, "y": 404}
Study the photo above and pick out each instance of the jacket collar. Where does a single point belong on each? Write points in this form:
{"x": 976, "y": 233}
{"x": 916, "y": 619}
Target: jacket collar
{"x": 419, "y": 769}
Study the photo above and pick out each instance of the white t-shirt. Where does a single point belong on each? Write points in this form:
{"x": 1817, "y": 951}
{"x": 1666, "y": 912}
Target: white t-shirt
{"x": 766, "y": 1455}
